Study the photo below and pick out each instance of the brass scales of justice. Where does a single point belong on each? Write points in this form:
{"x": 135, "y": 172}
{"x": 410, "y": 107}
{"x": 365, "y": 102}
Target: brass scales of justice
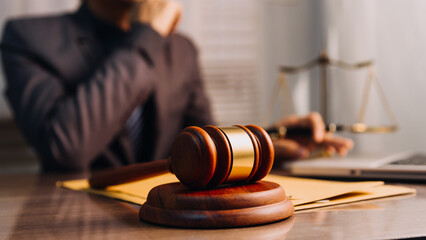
{"x": 323, "y": 62}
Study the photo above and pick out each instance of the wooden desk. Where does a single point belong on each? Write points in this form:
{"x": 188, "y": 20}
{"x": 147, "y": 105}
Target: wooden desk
{"x": 31, "y": 207}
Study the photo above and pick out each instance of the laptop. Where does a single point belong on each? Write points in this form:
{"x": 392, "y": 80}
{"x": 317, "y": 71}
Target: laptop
{"x": 400, "y": 166}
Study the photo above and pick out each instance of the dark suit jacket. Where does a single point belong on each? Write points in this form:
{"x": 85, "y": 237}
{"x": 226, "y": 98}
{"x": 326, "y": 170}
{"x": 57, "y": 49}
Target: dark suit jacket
{"x": 72, "y": 101}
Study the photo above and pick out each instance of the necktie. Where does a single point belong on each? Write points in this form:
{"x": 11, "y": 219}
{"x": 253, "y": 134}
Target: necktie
{"x": 135, "y": 125}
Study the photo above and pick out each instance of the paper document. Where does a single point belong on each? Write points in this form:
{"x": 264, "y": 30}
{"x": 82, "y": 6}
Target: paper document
{"x": 304, "y": 193}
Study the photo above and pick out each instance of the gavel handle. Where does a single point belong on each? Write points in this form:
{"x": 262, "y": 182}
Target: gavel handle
{"x": 128, "y": 173}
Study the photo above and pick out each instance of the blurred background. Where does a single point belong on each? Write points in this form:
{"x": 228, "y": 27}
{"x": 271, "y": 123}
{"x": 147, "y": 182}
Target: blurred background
{"x": 242, "y": 44}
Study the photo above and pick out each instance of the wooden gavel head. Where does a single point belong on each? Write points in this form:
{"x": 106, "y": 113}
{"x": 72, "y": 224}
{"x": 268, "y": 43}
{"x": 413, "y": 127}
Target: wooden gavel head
{"x": 210, "y": 156}
{"x": 204, "y": 157}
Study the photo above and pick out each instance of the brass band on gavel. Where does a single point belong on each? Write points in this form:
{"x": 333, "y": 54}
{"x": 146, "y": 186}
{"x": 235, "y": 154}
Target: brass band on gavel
{"x": 243, "y": 154}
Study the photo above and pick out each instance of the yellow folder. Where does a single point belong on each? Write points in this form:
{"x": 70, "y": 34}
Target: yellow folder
{"x": 304, "y": 193}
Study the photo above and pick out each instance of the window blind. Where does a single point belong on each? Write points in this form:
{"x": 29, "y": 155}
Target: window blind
{"x": 227, "y": 38}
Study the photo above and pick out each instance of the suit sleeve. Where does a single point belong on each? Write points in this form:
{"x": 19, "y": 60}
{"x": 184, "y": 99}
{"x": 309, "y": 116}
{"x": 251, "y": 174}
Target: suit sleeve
{"x": 69, "y": 129}
{"x": 198, "y": 111}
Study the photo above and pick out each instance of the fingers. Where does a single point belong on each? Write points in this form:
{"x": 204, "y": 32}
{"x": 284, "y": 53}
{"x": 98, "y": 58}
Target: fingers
{"x": 330, "y": 150}
{"x": 163, "y": 16}
{"x": 318, "y": 126}
{"x": 340, "y": 144}
{"x": 288, "y": 149}
{"x": 177, "y": 16}
{"x": 168, "y": 18}
{"x": 300, "y": 146}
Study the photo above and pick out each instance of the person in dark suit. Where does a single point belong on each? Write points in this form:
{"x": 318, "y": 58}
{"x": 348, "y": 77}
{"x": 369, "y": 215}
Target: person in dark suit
{"x": 111, "y": 85}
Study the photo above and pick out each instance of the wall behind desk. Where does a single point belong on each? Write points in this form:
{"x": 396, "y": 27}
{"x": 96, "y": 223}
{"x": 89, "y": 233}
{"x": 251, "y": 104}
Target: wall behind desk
{"x": 401, "y": 52}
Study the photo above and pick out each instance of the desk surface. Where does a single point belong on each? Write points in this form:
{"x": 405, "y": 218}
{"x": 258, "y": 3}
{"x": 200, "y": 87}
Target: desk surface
{"x": 31, "y": 207}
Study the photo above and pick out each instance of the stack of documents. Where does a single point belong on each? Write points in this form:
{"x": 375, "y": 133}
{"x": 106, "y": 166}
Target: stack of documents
{"x": 304, "y": 193}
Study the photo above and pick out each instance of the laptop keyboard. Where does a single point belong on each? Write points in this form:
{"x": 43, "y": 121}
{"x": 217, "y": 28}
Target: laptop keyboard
{"x": 417, "y": 159}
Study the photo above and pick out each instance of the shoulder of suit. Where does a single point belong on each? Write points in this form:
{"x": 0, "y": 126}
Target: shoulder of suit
{"x": 32, "y": 23}
{"x": 34, "y": 28}
{"x": 183, "y": 42}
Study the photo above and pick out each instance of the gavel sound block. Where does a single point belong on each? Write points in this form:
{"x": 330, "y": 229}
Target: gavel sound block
{"x": 219, "y": 168}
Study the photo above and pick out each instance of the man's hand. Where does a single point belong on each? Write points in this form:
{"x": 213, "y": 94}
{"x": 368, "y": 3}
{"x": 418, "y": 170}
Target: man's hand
{"x": 162, "y": 15}
{"x": 302, "y": 146}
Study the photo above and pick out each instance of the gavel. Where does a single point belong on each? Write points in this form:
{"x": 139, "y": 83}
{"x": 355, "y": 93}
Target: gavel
{"x": 204, "y": 157}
